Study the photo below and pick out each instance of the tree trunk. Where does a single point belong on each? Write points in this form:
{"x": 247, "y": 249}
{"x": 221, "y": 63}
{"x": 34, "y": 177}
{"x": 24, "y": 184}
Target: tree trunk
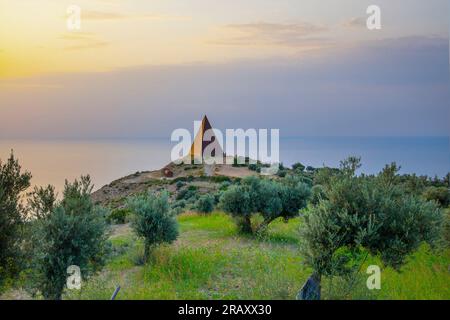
{"x": 146, "y": 252}
{"x": 263, "y": 226}
{"x": 246, "y": 225}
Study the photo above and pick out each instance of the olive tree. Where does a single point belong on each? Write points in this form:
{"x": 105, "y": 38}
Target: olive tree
{"x": 269, "y": 198}
{"x": 205, "y": 203}
{"x": 70, "y": 232}
{"x": 13, "y": 182}
{"x": 153, "y": 220}
{"x": 365, "y": 213}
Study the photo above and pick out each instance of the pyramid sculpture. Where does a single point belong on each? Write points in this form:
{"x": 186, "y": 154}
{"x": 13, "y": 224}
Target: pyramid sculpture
{"x": 199, "y": 145}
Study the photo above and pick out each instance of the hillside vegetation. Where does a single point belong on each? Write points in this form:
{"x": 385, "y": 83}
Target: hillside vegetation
{"x": 228, "y": 234}
{"x": 210, "y": 260}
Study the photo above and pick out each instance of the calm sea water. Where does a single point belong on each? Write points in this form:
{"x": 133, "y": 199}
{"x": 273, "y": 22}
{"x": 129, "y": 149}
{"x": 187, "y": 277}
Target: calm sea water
{"x": 51, "y": 162}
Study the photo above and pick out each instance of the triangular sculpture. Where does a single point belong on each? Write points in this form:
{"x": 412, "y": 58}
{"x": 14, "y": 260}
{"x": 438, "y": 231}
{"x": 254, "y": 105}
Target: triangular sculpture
{"x": 199, "y": 145}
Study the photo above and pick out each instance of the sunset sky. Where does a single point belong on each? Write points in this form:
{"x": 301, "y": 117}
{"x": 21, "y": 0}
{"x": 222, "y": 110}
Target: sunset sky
{"x": 143, "y": 68}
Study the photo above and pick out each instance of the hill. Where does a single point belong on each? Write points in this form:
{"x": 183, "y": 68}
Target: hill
{"x": 205, "y": 177}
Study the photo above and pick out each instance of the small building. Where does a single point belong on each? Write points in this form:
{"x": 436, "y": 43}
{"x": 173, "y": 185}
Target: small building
{"x": 167, "y": 173}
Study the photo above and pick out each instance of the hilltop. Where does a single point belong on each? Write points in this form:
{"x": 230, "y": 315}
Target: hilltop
{"x": 205, "y": 177}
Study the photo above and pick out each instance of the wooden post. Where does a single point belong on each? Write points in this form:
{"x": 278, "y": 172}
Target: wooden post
{"x": 311, "y": 289}
{"x": 115, "y": 293}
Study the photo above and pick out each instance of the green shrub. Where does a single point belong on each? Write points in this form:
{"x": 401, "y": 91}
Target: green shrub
{"x": 446, "y": 229}
{"x": 224, "y": 185}
{"x": 187, "y": 194}
{"x": 367, "y": 213}
{"x": 179, "y": 206}
{"x": 118, "y": 216}
{"x": 317, "y": 194}
{"x": 153, "y": 220}
{"x": 217, "y": 196}
{"x": 41, "y": 201}
{"x": 180, "y": 184}
{"x": 270, "y": 199}
{"x": 13, "y": 183}
{"x": 282, "y": 173}
{"x": 324, "y": 175}
{"x": 220, "y": 179}
{"x": 178, "y": 179}
{"x": 298, "y": 167}
{"x": 73, "y": 233}
{"x": 439, "y": 194}
{"x": 205, "y": 203}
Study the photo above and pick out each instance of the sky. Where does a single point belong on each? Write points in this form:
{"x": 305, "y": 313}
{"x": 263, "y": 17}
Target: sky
{"x": 142, "y": 68}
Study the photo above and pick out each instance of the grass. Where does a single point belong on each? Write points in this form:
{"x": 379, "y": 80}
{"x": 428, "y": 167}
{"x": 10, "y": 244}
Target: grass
{"x": 208, "y": 261}
{"x": 211, "y": 261}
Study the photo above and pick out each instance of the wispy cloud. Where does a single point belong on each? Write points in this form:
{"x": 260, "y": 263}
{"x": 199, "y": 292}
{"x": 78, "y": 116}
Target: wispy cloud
{"x": 82, "y": 40}
{"x": 93, "y": 15}
{"x": 264, "y": 33}
{"x": 9, "y": 85}
{"x": 77, "y": 36}
{"x": 355, "y": 22}
{"x": 90, "y": 45}
{"x": 344, "y": 91}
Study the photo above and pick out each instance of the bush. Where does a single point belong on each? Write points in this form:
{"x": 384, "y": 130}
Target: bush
{"x": 187, "y": 194}
{"x": 41, "y": 201}
{"x": 118, "y": 216}
{"x": 439, "y": 194}
{"x": 205, "y": 204}
{"x": 282, "y": 173}
{"x": 298, "y": 167}
{"x": 73, "y": 233}
{"x": 324, "y": 175}
{"x": 271, "y": 199}
{"x": 220, "y": 179}
{"x": 179, "y": 206}
{"x": 224, "y": 185}
{"x": 180, "y": 184}
{"x": 153, "y": 221}
{"x": 217, "y": 195}
{"x": 13, "y": 183}
{"x": 317, "y": 194}
{"x": 446, "y": 229}
{"x": 367, "y": 213}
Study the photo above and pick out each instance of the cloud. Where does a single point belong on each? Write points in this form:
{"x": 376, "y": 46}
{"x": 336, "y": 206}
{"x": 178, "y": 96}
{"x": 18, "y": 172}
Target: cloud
{"x": 82, "y": 40}
{"x": 397, "y": 87}
{"x": 90, "y": 45}
{"x": 355, "y": 22}
{"x": 264, "y": 33}
{"x": 77, "y": 36}
{"x": 92, "y": 15}
{"x": 19, "y": 85}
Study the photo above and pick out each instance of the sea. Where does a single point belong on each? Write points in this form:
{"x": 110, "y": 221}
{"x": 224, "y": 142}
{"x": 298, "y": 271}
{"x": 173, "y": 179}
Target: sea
{"x": 54, "y": 161}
